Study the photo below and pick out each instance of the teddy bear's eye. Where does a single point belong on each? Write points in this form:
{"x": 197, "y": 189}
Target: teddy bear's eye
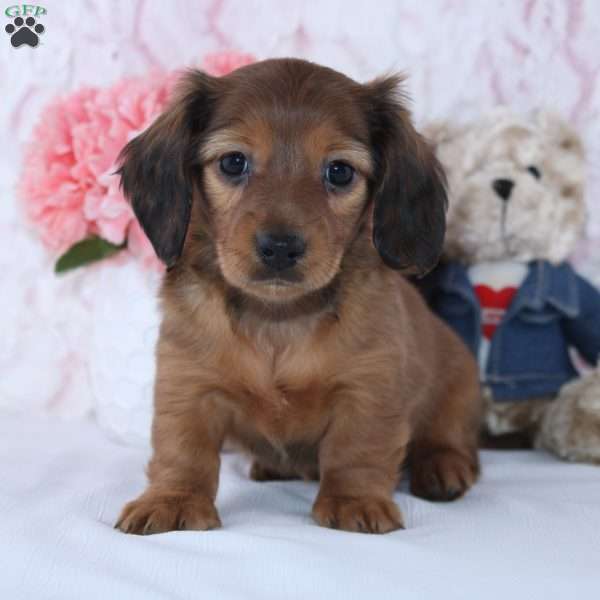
{"x": 534, "y": 171}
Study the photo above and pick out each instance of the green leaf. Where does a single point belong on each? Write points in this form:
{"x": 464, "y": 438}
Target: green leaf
{"x": 85, "y": 252}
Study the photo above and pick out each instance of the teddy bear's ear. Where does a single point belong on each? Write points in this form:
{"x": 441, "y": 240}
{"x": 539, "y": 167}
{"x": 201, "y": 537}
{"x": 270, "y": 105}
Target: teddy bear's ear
{"x": 441, "y": 132}
{"x": 451, "y": 144}
{"x": 559, "y": 132}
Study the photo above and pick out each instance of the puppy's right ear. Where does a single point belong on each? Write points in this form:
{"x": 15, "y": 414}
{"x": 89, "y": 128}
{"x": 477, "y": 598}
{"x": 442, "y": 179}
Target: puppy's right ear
{"x": 157, "y": 167}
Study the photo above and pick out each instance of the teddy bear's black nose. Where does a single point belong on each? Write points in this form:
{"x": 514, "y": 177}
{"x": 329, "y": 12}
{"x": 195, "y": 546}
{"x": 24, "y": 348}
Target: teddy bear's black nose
{"x": 503, "y": 187}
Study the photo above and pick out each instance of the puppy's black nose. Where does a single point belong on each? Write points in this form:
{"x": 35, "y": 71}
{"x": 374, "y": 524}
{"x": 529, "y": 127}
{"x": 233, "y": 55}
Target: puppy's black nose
{"x": 279, "y": 251}
{"x": 503, "y": 187}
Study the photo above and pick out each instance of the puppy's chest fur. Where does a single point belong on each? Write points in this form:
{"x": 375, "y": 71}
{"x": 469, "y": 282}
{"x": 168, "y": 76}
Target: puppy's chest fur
{"x": 284, "y": 378}
{"x": 277, "y": 377}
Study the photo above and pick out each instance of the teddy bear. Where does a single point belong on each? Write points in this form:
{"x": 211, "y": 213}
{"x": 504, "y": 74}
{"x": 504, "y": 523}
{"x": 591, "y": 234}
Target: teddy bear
{"x": 516, "y": 212}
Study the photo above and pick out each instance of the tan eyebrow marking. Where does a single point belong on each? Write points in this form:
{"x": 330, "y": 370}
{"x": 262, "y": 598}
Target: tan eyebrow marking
{"x": 325, "y": 141}
{"x": 355, "y": 153}
{"x": 223, "y": 141}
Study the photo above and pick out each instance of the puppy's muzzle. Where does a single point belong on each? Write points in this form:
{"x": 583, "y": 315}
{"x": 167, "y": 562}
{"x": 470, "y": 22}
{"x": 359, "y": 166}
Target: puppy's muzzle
{"x": 279, "y": 252}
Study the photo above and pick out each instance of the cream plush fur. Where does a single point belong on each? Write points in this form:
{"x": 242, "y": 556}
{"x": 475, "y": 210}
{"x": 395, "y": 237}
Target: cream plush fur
{"x": 544, "y": 219}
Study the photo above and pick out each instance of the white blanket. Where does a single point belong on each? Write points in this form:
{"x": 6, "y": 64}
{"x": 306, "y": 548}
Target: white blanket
{"x": 530, "y": 529}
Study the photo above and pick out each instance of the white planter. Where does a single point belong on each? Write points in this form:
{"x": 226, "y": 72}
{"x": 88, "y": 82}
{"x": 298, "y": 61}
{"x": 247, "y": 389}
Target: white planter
{"x": 125, "y": 324}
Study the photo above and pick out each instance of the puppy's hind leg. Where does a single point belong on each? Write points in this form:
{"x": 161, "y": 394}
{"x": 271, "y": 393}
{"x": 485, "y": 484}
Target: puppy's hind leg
{"x": 443, "y": 456}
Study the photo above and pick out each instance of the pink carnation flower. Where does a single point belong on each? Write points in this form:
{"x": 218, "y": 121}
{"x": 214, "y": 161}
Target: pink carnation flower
{"x": 67, "y": 185}
{"x": 222, "y": 63}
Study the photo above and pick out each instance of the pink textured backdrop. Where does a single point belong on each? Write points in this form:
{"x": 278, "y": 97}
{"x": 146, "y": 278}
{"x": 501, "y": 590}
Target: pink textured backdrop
{"x": 463, "y": 57}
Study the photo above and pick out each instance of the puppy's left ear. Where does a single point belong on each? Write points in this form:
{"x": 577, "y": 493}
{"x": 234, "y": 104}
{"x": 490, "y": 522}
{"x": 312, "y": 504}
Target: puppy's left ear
{"x": 159, "y": 165}
{"x": 409, "y": 185}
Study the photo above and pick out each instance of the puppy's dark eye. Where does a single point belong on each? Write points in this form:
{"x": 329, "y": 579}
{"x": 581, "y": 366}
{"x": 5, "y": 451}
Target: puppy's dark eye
{"x": 339, "y": 174}
{"x": 534, "y": 171}
{"x": 234, "y": 164}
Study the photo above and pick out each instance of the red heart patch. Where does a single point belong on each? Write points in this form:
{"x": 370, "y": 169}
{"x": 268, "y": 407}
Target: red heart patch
{"x": 494, "y": 304}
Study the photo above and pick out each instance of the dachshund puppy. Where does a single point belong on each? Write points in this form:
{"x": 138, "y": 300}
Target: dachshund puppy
{"x": 284, "y": 198}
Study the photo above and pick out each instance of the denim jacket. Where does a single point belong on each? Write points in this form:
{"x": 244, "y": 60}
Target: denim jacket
{"x": 529, "y": 354}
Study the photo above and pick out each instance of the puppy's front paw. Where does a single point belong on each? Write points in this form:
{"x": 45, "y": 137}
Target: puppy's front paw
{"x": 363, "y": 515}
{"x": 158, "y": 513}
{"x": 442, "y": 475}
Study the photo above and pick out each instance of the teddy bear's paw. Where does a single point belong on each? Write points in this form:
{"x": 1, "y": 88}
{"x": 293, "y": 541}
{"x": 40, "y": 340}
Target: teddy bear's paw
{"x": 571, "y": 425}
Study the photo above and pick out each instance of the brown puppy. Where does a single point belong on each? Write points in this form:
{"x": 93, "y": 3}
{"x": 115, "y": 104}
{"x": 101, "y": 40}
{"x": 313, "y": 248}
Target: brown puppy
{"x": 272, "y": 195}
